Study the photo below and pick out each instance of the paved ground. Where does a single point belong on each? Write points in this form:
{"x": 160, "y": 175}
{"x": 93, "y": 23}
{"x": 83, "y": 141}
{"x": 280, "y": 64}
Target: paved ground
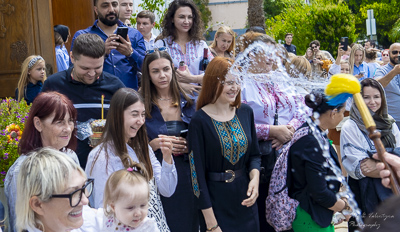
{"x": 341, "y": 227}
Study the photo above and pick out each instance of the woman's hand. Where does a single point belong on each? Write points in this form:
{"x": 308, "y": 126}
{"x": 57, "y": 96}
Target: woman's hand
{"x": 368, "y": 168}
{"x": 252, "y": 191}
{"x": 283, "y": 133}
{"x": 184, "y": 76}
{"x": 190, "y": 89}
{"x": 394, "y": 162}
{"x": 358, "y": 76}
{"x": 155, "y": 144}
{"x": 340, "y": 50}
{"x": 179, "y": 145}
{"x": 166, "y": 148}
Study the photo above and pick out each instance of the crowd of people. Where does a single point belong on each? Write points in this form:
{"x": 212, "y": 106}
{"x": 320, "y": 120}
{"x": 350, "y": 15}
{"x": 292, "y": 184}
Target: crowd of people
{"x": 188, "y": 143}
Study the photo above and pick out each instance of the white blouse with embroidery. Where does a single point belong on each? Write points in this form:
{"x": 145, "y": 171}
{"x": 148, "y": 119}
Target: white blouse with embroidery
{"x": 264, "y": 98}
{"x": 193, "y": 56}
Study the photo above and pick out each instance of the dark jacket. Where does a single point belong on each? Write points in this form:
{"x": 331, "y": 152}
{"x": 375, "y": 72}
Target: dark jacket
{"x": 306, "y": 178}
{"x": 86, "y": 99}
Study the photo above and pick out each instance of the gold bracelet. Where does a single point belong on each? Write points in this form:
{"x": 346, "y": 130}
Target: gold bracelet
{"x": 213, "y": 228}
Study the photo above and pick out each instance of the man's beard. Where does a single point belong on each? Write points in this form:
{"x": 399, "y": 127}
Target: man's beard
{"x": 107, "y": 22}
{"x": 393, "y": 60}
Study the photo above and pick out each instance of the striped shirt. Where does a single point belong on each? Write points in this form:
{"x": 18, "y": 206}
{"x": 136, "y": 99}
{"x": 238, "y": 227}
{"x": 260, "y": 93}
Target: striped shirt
{"x": 392, "y": 91}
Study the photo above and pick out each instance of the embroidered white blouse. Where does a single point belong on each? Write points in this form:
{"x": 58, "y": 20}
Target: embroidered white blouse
{"x": 193, "y": 56}
{"x": 165, "y": 176}
{"x": 264, "y": 98}
{"x": 354, "y": 147}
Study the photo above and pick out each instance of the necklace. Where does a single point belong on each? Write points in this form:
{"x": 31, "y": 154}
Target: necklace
{"x": 164, "y": 99}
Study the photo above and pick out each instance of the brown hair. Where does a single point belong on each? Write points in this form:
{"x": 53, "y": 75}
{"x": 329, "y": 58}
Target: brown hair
{"x": 168, "y": 27}
{"x": 149, "y": 91}
{"x": 370, "y": 82}
{"x": 147, "y": 14}
{"x": 115, "y": 184}
{"x": 301, "y": 66}
{"x": 250, "y": 37}
{"x": 114, "y": 132}
{"x": 212, "y": 88}
{"x": 58, "y": 39}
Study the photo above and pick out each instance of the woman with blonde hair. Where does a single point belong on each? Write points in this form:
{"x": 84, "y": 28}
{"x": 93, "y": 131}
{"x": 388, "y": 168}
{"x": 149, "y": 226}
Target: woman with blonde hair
{"x": 309, "y": 54}
{"x": 33, "y": 75}
{"x": 224, "y": 43}
{"x": 53, "y": 194}
{"x": 358, "y": 67}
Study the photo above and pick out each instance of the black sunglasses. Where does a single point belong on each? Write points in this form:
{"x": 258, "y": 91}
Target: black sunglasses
{"x": 395, "y": 52}
{"x": 76, "y": 196}
{"x": 156, "y": 49}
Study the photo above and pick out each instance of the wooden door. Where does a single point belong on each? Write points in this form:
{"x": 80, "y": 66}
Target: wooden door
{"x": 82, "y": 17}
{"x": 25, "y": 29}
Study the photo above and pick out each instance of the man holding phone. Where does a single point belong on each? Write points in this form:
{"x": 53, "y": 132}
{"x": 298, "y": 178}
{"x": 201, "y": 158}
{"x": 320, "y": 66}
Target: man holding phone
{"x": 125, "y": 50}
{"x": 389, "y": 77}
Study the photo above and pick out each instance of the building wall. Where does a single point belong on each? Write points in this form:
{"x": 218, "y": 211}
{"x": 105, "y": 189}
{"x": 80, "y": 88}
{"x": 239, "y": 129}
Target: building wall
{"x": 230, "y": 13}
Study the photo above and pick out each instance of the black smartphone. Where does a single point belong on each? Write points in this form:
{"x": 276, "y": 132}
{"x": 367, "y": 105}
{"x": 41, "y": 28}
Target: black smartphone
{"x": 123, "y": 32}
{"x": 344, "y": 41}
{"x": 184, "y": 133}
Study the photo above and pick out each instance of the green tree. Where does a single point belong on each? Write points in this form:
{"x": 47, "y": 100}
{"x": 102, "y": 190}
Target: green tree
{"x": 386, "y": 15}
{"x": 321, "y": 20}
{"x": 204, "y": 11}
{"x": 394, "y": 34}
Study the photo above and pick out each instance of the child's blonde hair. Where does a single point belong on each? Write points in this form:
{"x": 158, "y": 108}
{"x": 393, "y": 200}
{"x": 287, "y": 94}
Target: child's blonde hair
{"x": 117, "y": 181}
{"x": 28, "y": 64}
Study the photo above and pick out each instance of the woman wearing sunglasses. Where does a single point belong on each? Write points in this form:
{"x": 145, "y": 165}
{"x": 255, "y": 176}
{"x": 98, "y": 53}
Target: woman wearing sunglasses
{"x": 51, "y": 123}
{"x": 182, "y": 33}
{"x": 53, "y": 194}
{"x": 168, "y": 112}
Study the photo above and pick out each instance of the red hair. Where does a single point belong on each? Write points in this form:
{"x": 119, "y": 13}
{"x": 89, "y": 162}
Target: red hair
{"x": 43, "y": 106}
{"x": 212, "y": 87}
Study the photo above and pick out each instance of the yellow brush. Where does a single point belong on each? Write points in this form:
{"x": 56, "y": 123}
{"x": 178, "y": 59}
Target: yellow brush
{"x": 341, "y": 86}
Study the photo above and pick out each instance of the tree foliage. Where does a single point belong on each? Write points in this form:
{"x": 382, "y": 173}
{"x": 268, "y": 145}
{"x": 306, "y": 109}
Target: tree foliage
{"x": 385, "y": 14}
{"x": 322, "y": 20}
{"x": 204, "y": 11}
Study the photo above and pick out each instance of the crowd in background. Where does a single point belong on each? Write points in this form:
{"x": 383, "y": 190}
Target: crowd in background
{"x": 187, "y": 144}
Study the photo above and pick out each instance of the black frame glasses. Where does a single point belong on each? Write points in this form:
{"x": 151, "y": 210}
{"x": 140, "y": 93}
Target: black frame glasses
{"x": 156, "y": 49}
{"x": 89, "y": 183}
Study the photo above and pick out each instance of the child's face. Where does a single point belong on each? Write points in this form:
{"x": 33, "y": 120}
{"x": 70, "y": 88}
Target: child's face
{"x": 37, "y": 72}
{"x": 131, "y": 209}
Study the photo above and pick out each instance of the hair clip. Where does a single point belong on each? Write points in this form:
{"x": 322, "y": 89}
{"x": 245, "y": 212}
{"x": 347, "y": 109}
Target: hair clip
{"x": 33, "y": 61}
{"x": 129, "y": 169}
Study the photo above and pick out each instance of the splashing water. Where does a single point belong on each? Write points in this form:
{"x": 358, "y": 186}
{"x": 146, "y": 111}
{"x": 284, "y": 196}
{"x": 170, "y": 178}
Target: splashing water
{"x": 265, "y": 63}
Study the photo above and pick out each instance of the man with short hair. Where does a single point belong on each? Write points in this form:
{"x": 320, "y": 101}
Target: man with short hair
{"x": 84, "y": 83}
{"x": 315, "y": 45}
{"x": 145, "y": 22}
{"x": 123, "y": 59}
{"x": 125, "y": 10}
{"x": 288, "y": 44}
{"x": 389, "y": 77}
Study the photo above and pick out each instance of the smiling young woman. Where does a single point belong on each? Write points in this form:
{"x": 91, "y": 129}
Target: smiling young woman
{"x": 125, "y": 141}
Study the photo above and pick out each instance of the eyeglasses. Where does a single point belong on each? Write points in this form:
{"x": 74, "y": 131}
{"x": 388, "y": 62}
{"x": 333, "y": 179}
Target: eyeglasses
{"x": 229, "y": 83}
{"x": 313, "y": 47}
{"x": 395, "y": 52}
{"x": 156, "y": 49}
{"x": 76, "y": 196}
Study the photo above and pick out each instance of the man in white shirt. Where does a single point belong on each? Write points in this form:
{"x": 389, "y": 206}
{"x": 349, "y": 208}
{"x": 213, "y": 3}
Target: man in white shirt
{"x": 145, "y": 22}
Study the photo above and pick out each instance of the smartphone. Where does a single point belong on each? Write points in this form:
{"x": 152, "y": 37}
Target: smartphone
{"x": 184, "y": 133}
{"x": 344, "y": 41}
{"x": 123, "y": 32}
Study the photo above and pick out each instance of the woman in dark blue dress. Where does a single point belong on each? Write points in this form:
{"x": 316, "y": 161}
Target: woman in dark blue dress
{"x": 168, "y": 113}
{"x": 224, "y": 154}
